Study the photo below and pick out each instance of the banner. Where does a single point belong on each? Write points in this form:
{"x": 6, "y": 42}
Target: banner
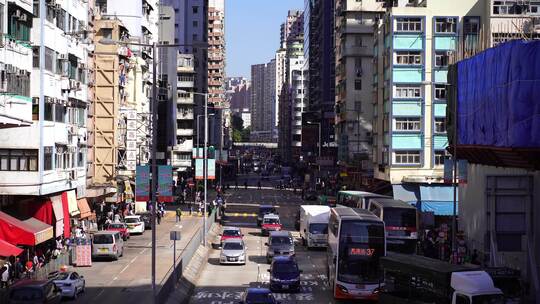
{"x": 199, "y": 173}
{"x": 211, "y": 169}
{"x": 449, "y": 169}
{"x": 197, "y": 153}
{"x": 165, "y": 182}
{"x": 142, "y": 183}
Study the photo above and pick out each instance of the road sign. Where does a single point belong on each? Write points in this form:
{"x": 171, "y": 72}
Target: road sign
{"x": 175, "y": 235}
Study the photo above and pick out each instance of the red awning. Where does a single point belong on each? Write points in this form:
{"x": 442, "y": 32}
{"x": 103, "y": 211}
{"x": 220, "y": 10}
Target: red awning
{"x": 29, "y": 232}
{"x": 7, "y": 250}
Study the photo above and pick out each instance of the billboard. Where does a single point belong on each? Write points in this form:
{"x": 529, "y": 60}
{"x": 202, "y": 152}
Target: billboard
{"x": 142, "y": 183}
{"x": 165, "y": 182}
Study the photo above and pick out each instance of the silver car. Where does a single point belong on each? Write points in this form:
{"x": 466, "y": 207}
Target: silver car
{"x": 107, "y": 244}
{"x": 233, "y": 251}
{"x": 71, "y": 283}
{"x": 279, "y": 243}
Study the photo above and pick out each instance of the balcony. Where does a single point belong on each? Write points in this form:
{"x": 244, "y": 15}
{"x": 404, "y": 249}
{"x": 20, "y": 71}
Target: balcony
{"x": 186, "y": 146}
{"x": 184, "y": 115}
{"x": 355, "y": 27}
{"x": 185, "y": 84}
{"x": 216, "y": 66}
{"x": 181, "y": 163}
{"x": 184, "y": 100}
{"x": 357, "y": 51}
{"x": 216, "y": 42}
{"x": 184, "y": 132}
{"x": 215, "y": 83}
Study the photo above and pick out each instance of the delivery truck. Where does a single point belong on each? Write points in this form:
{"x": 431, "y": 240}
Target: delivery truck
{"x": 413, "y": 279}
{"x": 314, "y": 225}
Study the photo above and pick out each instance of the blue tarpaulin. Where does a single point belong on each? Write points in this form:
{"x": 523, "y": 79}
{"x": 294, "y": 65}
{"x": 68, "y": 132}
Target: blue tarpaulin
{"x": 498, "y": 96}
{"x": 427, "y": 198}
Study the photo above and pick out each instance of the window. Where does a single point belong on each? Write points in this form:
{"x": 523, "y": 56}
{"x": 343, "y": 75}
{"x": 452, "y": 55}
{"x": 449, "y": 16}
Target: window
{"x": 59, "y": 113}
{"x": 408, "y": 24}
{"x": 440, "y": 91}
{"x": 509, "y": 7}
{"x": 461, "y": 299}
{"x": 18, "y": 160}
{"x": 35, "y": 57}
{"x": 440, "y": 156}
{"x": 61, "y": 157}
{"x": 407, "y": 124}
{"x": 195, "y": 23}
{"x": 106, "y": 33}
{"x": 48, "y": 161}
{"x": 440, "y": 125}
{"x": 195, "y": 37}
{"x": 445, "y": 25}
{"x": 49, "y": 110}
{"x": 408, "y": 58}
{"x": 358, "y": 84}
{"x": 195, "y": 9}
{"x": 441, "y": 59}
{"x": 471, "y": 25}
{"x": 50, "y": 59}
{"x": 407, "y": 92}
{"x": 407, "y": 157}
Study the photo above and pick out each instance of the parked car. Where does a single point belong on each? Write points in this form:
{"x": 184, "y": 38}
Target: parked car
{"x": 284, "y": 274}
{"x": 263, "y": 210}
{"x": 134, "y": 224}
{"x": 279, "y": 243}
{"x": 233, "y": 251}
{"x": 258, "y": 296}
{"x": 230, "y": 233}
{"x": 107, "y": 244}
{"x": 120, "y": 227}
{"x": 70, "y": 282}
{"x": 32, "y": 291}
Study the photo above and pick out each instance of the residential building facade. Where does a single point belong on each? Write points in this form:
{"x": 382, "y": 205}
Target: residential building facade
{"x": 353, "y": 91}
{"x": 185, "y": 114}
{"x": 216, "y": 52}
{"x": 414, "y": 44}
{"x": 319, "y": 76}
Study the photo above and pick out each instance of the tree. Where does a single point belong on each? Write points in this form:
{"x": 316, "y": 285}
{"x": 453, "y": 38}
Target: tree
{"x": 237, "y": 123}
{"x": 245, "y": 134}
{"x": 237, "y": 135}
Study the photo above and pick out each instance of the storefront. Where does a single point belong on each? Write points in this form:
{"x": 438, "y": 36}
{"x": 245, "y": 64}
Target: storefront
{"x": 29, "y": 232}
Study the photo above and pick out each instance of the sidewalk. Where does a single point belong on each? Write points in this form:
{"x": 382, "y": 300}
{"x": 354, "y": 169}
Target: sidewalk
{"x": 128, "y": 280}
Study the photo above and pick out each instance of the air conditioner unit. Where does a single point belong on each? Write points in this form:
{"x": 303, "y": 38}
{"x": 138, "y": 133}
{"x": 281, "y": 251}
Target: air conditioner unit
{"x": 63, "y": 56}
{"x": 57, "y": 6}
{"x": 450, "y": 20}
{"x": 22, "y": 72}
{"x": 449, "y": 53}
{"x": 72, "y": 175}
{"x": 23, "y": 18}
{"x": 17, "y": 14}
{"x": 78, "y": 85}
{"x": 72, "y": 84}
{"x": 80, "y": 65}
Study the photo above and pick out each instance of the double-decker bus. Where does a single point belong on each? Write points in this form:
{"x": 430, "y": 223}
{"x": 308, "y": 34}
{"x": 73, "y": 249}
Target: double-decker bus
{"x": 356, "y": 242}
{"x": 400, "y": 222}
{"x": 356, "y": 199}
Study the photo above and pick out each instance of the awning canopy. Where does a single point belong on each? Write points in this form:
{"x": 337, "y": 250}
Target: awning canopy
{"x": 7, "y": 121}
{"x": 29, "y": 232}
{"x": 427, "y": 198}
{"x": 7, "y": 249}
{"x": 58, "y": 214}
{"x": 84, "y": 208}
{"x": 72, "y": 203}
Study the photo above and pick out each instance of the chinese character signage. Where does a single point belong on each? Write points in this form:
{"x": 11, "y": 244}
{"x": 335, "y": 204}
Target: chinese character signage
{"x": 199, "y": 173}
{"x": 165, "y": 181}
{"x": 142, "y": 183}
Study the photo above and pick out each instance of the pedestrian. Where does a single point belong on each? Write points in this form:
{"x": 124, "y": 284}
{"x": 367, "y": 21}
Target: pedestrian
{"x": 245, "y": 184}
{"x": 29, "y": 268}
{"x": 19, "y": 268}
{"x": 190, "y": 208}
{"x": 4, "y": 276}
{"x": 35, "y": 261}
{"x": 178, "y": 214}
{"x": 474, "y": 258}
{"x": 117, "y": 217}
{"x": 259, "y": 185}
{"x": 236, "y": 184}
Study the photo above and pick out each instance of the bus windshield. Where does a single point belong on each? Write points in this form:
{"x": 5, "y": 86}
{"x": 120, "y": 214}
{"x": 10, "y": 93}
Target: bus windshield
{"x": 360, "y": 246}
{"x": 399, "y": 217}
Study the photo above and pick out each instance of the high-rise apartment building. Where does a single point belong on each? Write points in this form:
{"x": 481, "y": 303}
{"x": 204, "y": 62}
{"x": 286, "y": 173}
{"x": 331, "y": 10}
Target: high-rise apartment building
{"x": 414, "y": 44}
{"x": 319, "y": 76}
{"x": 262, "y": 101}
{"x": 354, "y": 23}
{"x": 216, "y": 52}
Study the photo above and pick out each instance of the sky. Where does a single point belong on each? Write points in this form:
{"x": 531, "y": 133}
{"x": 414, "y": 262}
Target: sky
{"x": 252, "y": 32}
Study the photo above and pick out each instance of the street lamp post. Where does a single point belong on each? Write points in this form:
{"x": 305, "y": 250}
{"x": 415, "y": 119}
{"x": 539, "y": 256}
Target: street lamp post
{"x": 153, "y": 110}
{"x": 205, "y": 155}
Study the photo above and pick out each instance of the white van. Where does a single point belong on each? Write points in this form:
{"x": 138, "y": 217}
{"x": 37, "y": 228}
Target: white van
{"x": 107, "y": 244}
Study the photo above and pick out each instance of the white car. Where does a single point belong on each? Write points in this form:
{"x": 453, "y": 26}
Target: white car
{"x": 134, "y": 223}
{"x": 70, "y": 282}
{"x": 233, "y": 251}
